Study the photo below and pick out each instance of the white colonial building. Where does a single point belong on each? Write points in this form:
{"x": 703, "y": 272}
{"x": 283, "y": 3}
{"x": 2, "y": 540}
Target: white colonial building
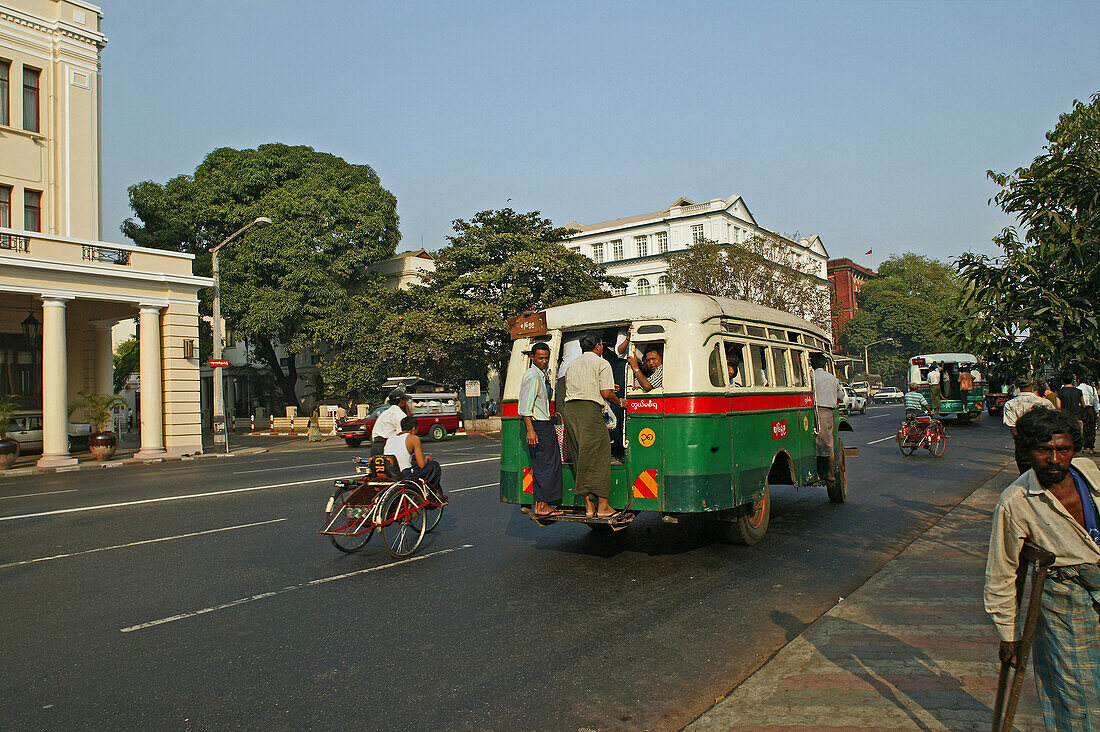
{"x": 635, "y": 248}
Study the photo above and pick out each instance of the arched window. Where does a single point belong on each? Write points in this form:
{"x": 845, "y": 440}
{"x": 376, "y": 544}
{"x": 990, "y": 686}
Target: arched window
{"x": 664, "y": 284}
{"x": 642, "y": 286}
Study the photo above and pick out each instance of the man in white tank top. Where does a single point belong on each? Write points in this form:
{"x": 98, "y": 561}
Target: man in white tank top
{"x": 406, "y": 447}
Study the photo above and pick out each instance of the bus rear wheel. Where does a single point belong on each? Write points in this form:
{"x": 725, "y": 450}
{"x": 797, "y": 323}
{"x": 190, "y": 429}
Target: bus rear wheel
{"x": 749, "y": 523}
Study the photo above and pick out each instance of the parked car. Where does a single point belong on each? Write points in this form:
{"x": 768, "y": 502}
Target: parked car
{"x": 436, "y": 415}
{"x": 887, "y": 395}
{"x": 852, "y": 402}
{"x": 25, "y": 427}
{"x": 862, "y": 388}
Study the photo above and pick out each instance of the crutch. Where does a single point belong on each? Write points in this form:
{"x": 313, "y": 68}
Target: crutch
{"x": 1038, "y": 561}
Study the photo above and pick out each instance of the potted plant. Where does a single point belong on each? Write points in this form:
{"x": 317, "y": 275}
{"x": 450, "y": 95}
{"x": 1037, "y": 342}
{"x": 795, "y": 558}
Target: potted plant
{"x": 9, "y": 449}
{"x": 102, "y": 443}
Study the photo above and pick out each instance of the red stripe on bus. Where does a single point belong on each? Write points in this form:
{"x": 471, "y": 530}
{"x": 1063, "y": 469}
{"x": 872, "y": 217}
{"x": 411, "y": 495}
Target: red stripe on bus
{"x": 703, "y": 404}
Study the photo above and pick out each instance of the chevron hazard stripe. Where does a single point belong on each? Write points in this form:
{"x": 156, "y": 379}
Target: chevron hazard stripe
{"x": 528, "y": 481}
{"x": 646, "y": 485}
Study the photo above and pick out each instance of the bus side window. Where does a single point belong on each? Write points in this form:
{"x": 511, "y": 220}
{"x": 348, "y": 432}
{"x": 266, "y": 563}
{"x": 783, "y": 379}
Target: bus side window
{"x": 759, "y": 365}
{"x": 779, "y": 361}
{"x": 735, "y": 363}
{"x": 715, "y": 367}
{"x": 798, "y": 368}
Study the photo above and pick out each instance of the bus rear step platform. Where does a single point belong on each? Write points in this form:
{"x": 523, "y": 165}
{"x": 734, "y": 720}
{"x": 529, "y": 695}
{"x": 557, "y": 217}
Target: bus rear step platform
{"x": 617, "y": 522}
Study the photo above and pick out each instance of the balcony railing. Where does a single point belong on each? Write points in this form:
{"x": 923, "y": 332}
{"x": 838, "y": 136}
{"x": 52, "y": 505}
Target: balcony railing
{"x": 105, "y": 255}
{"x": 21, "y": 244}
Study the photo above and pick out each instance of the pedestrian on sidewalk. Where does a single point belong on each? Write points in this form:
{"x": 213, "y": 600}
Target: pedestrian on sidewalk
{"x": 129, "y": 420}
{"x": 1054, "y": 506}
{"x": 1092, "y": 406}
{"x": 1029, "y": 397}
{"x": 314, "y": 434}
{"x": 1072, "y": 401}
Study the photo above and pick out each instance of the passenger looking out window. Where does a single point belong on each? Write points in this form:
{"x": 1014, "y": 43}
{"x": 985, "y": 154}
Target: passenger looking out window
{"x": 652, "y": 376}
{"x": 735, "y": 363}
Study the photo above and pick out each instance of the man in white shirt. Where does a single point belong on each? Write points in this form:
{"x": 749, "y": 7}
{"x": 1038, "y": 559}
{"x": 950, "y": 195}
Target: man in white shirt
{"x": 934, "y": 383}
{"x": 388, "y": 423}
{"x": 535, "y": 394}
{"x": 826, "y": 397}
{"x": 1028, "y": 399}
{"x": 1092, "y": 405}
{"x": 1052, "y": 505}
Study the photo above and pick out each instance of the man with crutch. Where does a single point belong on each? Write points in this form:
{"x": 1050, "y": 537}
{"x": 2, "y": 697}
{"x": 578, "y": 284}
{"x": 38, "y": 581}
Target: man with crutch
{"x": 1052, "y": 506}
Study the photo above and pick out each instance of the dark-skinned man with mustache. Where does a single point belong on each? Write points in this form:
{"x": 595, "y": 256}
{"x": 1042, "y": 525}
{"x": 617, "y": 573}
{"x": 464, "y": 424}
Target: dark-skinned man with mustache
{"x": 1054, "y": 506}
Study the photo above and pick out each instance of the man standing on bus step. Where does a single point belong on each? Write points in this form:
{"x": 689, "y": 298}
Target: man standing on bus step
{"x": 826, "y": 397}
{"x": 966, "y": 383}
{"x": 934, "y": 384}
{"x": 1029, "y": 398}
{"x": 1053, "y": 506}
{"x": 535, "y": 394}
{"x": 588, "y": 384}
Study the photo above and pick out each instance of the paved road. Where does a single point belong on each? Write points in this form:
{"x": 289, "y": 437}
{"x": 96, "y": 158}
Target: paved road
{"x": 186, "y": 595}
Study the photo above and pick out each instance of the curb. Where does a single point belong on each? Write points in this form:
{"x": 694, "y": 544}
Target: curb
{"x": 111, "y": 464}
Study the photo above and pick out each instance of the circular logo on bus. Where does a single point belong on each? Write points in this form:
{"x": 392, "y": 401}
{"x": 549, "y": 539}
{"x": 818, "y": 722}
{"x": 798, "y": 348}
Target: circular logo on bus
{"x": 647, "y": 437}
{"x": 805, "y": 423}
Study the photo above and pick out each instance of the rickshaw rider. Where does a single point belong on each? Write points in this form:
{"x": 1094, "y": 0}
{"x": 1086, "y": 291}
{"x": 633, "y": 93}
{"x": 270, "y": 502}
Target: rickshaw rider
{"x": 915, "y": 403}
{"x": 405, "y": 446}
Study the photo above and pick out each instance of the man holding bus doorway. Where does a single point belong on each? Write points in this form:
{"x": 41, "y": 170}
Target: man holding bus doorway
{"x": 934, "y": 386}
{"x": 588, "y": 384}
{"x": 535, "y": 394}
{"x": 1052, "y": 505}
{"x": 826, "y": 397}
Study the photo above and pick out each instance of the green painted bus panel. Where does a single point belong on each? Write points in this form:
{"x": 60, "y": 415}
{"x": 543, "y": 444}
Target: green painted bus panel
{"x": 646, "y": 438}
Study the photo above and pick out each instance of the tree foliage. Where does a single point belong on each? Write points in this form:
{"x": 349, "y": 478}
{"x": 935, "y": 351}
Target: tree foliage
{"x": 909, "y": 301}
{"x": 126, "y": 358}
{"x": 452, "y": 327}
{"x": 763, "y": 270}
{"x": 288, "y": 284}
{"x": 1037, "y": 301}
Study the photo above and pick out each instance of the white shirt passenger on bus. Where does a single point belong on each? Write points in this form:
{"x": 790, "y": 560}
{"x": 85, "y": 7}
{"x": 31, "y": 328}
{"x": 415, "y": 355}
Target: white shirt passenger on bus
{"x": 826, "y": 389}
{"x": 933, "y": 376}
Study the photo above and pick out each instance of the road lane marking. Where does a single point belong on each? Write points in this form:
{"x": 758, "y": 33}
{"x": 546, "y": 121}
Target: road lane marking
{"x": 139, "y": 543}
{"x": 228, "y": 491}
{"x": 268, "y": 470}
{"x": 879, "y": 416}
{"x": 473, "y": 488}
{"x": 288, "y": 588}
{"x": 44, "y": 493}
{"x": 884, "y": 439}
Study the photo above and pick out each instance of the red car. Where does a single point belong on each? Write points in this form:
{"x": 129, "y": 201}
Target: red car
{"x": 434, "y": 424}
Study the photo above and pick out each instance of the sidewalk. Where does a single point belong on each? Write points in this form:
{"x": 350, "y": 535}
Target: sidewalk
{"x": 910, "y": 649}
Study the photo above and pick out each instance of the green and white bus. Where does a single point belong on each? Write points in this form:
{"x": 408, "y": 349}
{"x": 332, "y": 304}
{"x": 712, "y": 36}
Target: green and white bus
{"x": 703, "y": 442}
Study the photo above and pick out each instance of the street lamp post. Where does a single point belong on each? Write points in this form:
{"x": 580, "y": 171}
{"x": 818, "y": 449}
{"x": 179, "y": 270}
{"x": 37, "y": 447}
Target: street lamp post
{"x": 220, "y": 435}
{"x": 866, "y": 365}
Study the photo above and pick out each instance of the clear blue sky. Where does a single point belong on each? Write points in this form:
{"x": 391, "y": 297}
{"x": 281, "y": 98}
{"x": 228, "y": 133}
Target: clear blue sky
{"x": 869, "y": 123}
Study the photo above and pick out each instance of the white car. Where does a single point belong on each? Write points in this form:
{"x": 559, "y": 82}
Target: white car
{"x": 26, "y": 429}
{"x": 888, "y": 394}
{"x": 852, "y": 402}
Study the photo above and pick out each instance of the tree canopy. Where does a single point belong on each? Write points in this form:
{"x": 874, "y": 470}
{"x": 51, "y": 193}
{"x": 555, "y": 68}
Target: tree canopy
{"x": 1037, "y": 301}
{"x": 286, "y": 284}
{"x": 452, "y": 327}
{"x": 909, "y": 301}
{"x": 763, "y": 270}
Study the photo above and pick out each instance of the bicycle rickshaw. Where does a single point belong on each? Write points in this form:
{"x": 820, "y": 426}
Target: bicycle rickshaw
{"x": 402, "y": 509}
{"x": 922, "y": 431}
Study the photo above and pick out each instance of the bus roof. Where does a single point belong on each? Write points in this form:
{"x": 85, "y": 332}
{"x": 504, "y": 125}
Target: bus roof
{"x": 677, "y": 306}
{"x": 949, "y": 357}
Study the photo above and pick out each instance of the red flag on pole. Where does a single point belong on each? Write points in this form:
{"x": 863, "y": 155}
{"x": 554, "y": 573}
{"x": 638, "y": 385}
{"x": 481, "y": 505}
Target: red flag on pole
{"x": 870, "y": 250}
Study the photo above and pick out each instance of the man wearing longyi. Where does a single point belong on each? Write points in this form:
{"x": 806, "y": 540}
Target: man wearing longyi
{"x": 1054, "y": 506}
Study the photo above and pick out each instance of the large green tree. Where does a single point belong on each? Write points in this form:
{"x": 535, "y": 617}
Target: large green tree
{"x": 452, "y": 328}
{"x": 1037, "y": 302}
{"x": 909, "y": 302}
{"x": 763, "y": 270}
{"x": 288, "y": 284}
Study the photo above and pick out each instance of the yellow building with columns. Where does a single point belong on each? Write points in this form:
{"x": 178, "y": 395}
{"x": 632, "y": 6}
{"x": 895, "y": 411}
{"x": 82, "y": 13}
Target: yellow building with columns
{"x": 61, "y": 287}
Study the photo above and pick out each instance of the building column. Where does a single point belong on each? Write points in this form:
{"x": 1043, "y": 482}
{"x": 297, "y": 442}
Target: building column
{"x": 152, "y": 390}
{"x": 104, "y": 359}
{"x": 55, "y": 379}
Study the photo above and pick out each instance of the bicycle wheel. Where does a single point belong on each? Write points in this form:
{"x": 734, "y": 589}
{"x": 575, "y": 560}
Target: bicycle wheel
{"x": 403, "y": 522}
{"x": 432, "y": 512}
{"x": 904, "y": 445}
{"x": 939, "y": 443}
{"x": 346, "y": 543}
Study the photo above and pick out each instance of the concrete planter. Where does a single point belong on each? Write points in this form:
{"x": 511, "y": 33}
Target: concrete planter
{"x": 9, "y": 451}
{"x": 102, "y": 445}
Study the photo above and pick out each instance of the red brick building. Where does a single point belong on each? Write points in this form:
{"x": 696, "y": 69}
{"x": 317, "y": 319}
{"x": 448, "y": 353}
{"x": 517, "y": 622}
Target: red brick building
{"x": 847, "y": 278}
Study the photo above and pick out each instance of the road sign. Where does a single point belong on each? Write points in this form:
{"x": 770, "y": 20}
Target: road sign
{"x": 473, "y": 388}
{"x": 216, "y": 362}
